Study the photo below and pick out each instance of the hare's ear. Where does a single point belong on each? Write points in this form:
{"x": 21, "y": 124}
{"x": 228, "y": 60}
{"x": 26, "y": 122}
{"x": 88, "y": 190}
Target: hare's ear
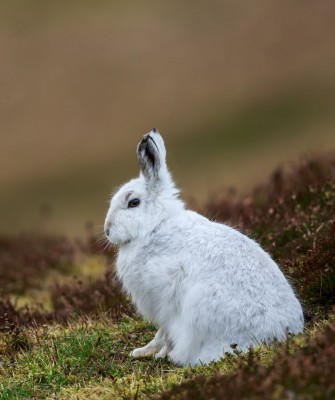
{"x": 151, "y": 155}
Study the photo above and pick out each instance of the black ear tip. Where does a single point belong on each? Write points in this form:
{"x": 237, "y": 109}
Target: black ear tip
{"x": 154, "y": 130}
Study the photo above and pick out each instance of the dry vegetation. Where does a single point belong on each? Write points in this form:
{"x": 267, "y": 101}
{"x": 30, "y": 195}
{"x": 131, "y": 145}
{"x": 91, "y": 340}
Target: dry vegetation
{"x": 78, "y": 347}
{"x": 298, "y": 371}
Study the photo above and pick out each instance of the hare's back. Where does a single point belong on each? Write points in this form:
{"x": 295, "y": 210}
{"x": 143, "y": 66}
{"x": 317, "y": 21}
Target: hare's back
{"x": 229, "y": 268}
{"x": 214, "y": 251}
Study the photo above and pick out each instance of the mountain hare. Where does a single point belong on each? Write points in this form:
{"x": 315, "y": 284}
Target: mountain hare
{"x": 205, "y": 285}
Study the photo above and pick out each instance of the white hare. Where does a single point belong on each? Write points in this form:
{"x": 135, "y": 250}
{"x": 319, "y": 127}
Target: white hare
{"x": 205, "y": 285}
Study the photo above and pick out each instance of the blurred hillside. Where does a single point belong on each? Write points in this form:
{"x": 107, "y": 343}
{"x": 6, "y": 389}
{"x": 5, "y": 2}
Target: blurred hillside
{"x": 236, "y": 88}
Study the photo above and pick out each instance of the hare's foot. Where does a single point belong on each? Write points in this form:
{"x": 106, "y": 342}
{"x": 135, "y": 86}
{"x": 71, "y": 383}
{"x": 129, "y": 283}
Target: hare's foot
{"x": 163, "y": 351}
{"x": 146, "y": 351}
{"x": 152, "y": 347}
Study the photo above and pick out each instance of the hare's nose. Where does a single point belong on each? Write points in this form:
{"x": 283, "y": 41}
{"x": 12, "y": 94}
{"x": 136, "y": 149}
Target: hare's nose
{"x": 107, "y": 232}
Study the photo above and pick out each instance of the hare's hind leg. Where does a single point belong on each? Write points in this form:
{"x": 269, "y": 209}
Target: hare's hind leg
{"x": 153, "y": 347}
{"x": 186, "y": 343}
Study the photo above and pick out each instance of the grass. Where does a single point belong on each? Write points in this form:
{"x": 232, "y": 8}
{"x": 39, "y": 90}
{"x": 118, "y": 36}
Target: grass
{"x": 79, "y": 347}
{"x": 90, "y": 359}
{"x": 86, "y": 355}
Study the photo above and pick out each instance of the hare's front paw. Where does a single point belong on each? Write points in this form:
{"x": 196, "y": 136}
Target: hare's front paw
{"x": 157, "y": 344}
{"x": 146, "y": 351}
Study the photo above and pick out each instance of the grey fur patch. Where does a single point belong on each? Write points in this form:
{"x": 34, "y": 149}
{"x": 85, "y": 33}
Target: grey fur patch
{"x": 149, "y": 158}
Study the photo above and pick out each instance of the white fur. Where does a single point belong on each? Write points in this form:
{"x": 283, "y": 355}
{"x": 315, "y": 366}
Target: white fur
{"x": 206, "y": 285}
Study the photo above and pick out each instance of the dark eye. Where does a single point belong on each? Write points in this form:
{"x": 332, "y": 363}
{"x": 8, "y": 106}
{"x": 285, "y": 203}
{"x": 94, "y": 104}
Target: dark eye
{"x": 134, "y": 203}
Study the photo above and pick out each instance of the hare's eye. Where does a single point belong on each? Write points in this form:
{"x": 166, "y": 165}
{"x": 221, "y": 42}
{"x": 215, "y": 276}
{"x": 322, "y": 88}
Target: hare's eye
{"x": 134, "y": 203}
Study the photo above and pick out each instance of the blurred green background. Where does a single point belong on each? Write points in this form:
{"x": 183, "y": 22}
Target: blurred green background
{"x": 237, "y": 88}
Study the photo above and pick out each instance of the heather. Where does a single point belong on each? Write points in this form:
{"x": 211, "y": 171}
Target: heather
{"x": 66, "y": 328}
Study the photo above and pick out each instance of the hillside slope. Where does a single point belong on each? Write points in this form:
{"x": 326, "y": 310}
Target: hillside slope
{"x": 234, "y": 87}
